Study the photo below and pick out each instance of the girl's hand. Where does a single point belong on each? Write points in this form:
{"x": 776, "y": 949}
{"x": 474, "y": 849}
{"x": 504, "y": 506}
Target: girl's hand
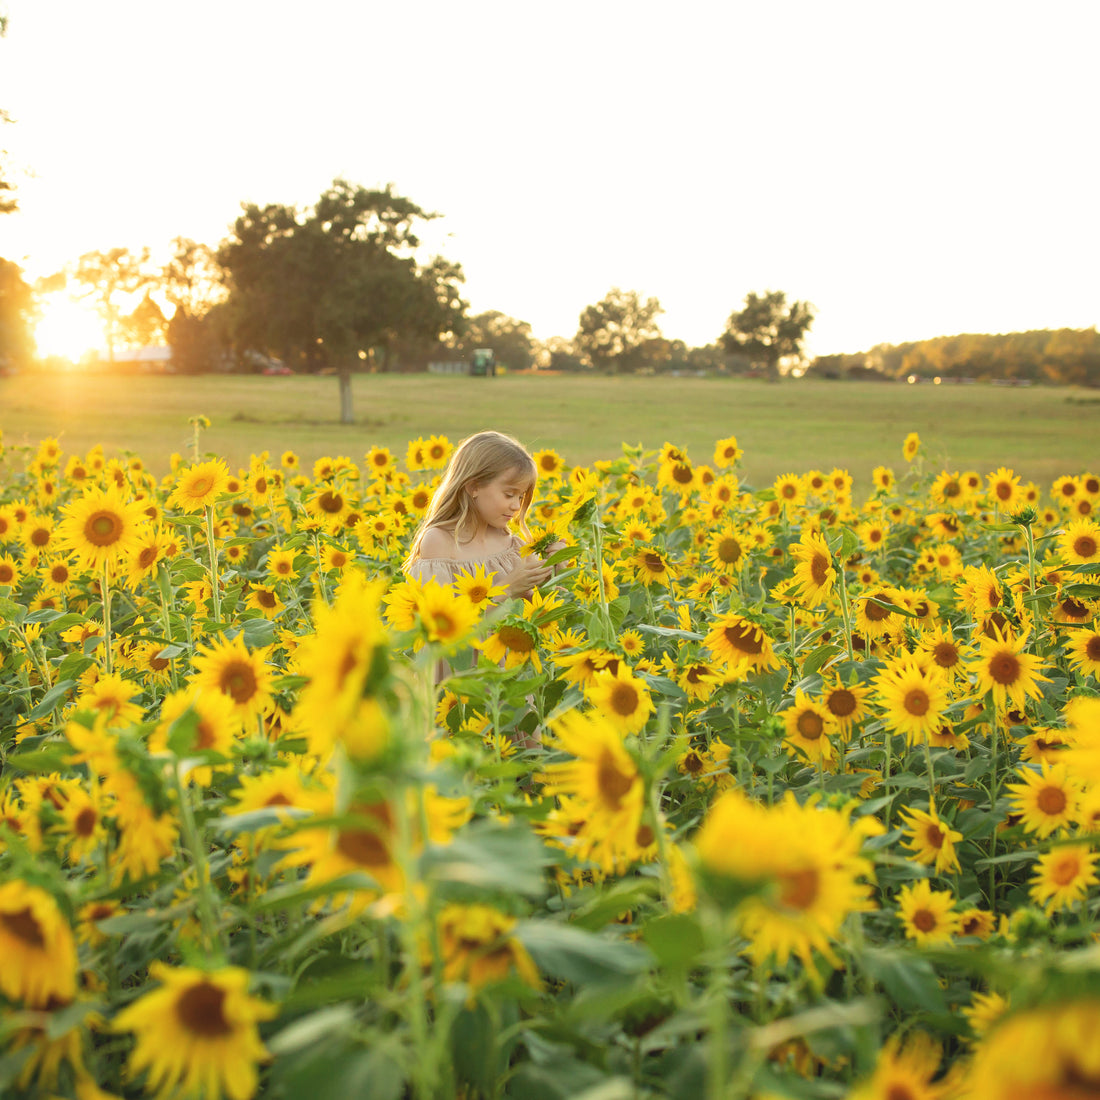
{"x": 528, "y": 573}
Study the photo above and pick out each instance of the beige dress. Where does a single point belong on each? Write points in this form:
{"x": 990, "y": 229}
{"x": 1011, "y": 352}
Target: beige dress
{"x": 447, "y": 570}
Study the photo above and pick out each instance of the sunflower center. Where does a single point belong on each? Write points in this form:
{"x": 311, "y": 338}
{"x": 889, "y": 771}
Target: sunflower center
{"x": 645, "y": 836}
{"x": 339, "y": 559}
{"x": 1004, "y": 490}
{"x": 693, "y": 763}
{"x": 729, "y": 551}
{"x": 744, "y": 637}
{"x": 24, "y": 926}
{"x": 7, "y": 573}
{"x": 612, "y": 783}
{"x": 1065, "y": 870}
{"x": 515, "y": 639}
{"x": 1051, "y": 801}
{"x": 478, "y": 593}
{"x": 330, "y": 502}
{"x": 238, "y": 679}
{"x": 799, "y": 889}
{"x": 147, "y": 556}
{"x": 1092, "y": 648}
{"x": 952, "y": 488}
{"x": 59, "y": 574}
{"x": 1085, "y": 546}
{"x": 159, "y": 664}
{"x": 84, "y": 825}
{"x": 206, "y": 734}
{"x": 1004, "y": 668}
{"x": 200, "y": 1010}
{"x": 367, "y": 847}
{"x": 260, "y": 486}
{"x": 1074, "y": 608}
{"x": 201, "y": 486}
{"x": 898, "y": 1090}
{"x": 266, "y": 599}
{"x": 873, "y": 611}
{"x": 40, "y": 536}
{"x": 443, "y": 624}
{"x": 924, "y": 920}
{"x": 842, "y": 703}
{"x": 103, "y": 528}
{"x": 935, "y": 836}
{"x": 682, "y": 474}
{"x": 810, "y": 725}
{"x": 819, "y": 569}
{"x": 654, "y": 563}
{"x": 917, "y": 702}
{"x": 623, "y": 699}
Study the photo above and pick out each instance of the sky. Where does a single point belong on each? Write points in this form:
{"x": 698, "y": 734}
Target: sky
{"x": 912, "y": 170}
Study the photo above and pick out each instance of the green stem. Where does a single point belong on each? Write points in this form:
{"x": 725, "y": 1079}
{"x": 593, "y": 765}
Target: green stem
{"x": 718, "y": 1012}
{"x": 213, "y": 550}
{"x": 198, "y": 861}
{"x": 105, "y": 585}
{"x": 845, "y": 610}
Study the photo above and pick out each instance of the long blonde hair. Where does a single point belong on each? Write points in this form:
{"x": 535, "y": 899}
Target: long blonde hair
{"x": 476, "y": 460}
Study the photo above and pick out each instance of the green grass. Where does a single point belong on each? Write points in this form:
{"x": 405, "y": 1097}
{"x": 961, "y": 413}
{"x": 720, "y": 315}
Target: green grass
{"x": 795, "y": 426}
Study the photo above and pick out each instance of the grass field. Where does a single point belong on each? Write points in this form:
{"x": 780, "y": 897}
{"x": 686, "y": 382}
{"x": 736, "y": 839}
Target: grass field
{"x": 1039, "y": 432}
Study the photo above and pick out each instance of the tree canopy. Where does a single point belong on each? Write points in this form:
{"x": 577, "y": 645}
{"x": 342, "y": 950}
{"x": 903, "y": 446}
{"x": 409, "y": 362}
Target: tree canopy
{"x": 613, "y": 333}
{"x": 768, "y": 330}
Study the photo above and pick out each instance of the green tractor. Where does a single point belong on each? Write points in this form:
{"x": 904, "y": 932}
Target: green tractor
{"x": 484, "y": 363}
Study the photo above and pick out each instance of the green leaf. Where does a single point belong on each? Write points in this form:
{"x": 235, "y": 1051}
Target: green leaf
{"x": 486, "y": 856}
{"x": 306, "y": 1030}
{"x": 907, "y": 978}
{"x": 258, "y": 632}
{"x": 676, "y": 940}
{"x": 820, "y": 657}
{"x": 52, "y": 759}
{"x": 583, "y": 958}
{"x": 55, "y": 695}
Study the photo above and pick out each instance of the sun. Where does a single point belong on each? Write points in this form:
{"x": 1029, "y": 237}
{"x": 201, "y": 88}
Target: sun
{"x": 68, "y": 328}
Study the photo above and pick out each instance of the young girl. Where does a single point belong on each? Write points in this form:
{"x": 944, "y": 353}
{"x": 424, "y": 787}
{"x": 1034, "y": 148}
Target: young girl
{"x": 489, "y": 484}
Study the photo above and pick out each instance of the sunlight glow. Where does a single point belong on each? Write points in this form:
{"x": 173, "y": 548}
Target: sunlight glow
{"x": 68, "y": 327}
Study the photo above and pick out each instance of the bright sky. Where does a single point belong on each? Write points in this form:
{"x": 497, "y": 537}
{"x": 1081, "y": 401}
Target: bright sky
{"x": 911, "y": 169}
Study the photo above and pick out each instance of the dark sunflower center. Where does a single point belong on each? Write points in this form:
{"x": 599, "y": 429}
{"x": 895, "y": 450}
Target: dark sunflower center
{"x": 1051, "y": 801}
{"x": 841, "y": 702}
{"x": 1004, "y": 668}
{"x": 682, "y": 474}
{"x": 935, "y": 836}
{"x": 330, "y": 502}
{"x": 238, "y": 679}
{"x": 23, "y": 925}
{"x": 515, "y": 639}
{"x": 612, "y": 783}
{"x": 84, "y": 825}
{"x": 645, "y": 836}
{"x": 952, "y": 489}
{"x": 924, "y": 919}
{"x": 729, "y": 551}
{"x": 1065, "y": 870}
{"x": 1085, "y": 546}
{"x": 744, "y": 637}
{"x": 623, "y": 699}
{"x": 799, "y": 889}
{"x": 810, "y": 725}
{"x": 1092, "y": 648}
{"x": 874, "y": 612}
{"x": 200, "y": 1011}
{"x": 103, "y": 528}
{"x": 917, "y": 702}
{"x": 654, "y": 563}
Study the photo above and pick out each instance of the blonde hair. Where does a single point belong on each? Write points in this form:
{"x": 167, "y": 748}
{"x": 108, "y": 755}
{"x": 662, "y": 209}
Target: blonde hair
{"x": 476, "y": 460}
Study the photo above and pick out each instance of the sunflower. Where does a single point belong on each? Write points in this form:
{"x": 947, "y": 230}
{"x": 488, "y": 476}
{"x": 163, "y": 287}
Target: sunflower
{"x": 845, "y": 704}
{"x": 264, "y": 598}
{"x": 57, "y": 577}
{"x": 446, "y": 616}
{"x": 905, "y": 1070}
{"x": 621, "y": 698}
{"x": 1079, "y": 543}
{"x": 1047, "y": 799}
{"x": 197, "y": 1032}
{"x": 199, "y": 485}
{"x": 741, "y": 645}
{"x": 1005, "y": 670}
{"x": 215, "y": 724}
{"x": 10, "y": 573}
{"x": 1063, "y": 876}
{"x": 978, "y": 923}
{"x": 913, "y": 698}
{"x": 82, "y": 824}
{"x": 581, "y": 668}
{"x": 478, "y": 947}
{"x": 1004, "y": 488}
{"x": 727, "y": 550}
{"x": 808, "y": 724}
{"x": 36, "y": 944}
{"x": 942, "y": 651}
{"x": 726, "y": 452}
{"x": 549, "y": 464}
{"x": 815, "y": 573}
{"x": 101, "y": 527}
{"x": 931, "y": 840}
{"x": 910, "y": 447}
{"x": 871, "y": 619}
{"x": 515, "y": 642}
{"x": 280, "y": 564}
{"x": 604, "y": 781}
{"x": 927, "y": 915}
{"x": 806, "y": 858}
{"x": 329, "y": 507}
{"x": 650, "y": 567}
{"x": 111, "y": 699}
{"x": 1083, "y": 652}
{"x": 789, "y": 490}
{"x": 229, "y": 667}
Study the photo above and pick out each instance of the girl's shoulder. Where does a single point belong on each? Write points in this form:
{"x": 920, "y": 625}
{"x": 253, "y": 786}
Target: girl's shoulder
{"x": 438, "y": 542}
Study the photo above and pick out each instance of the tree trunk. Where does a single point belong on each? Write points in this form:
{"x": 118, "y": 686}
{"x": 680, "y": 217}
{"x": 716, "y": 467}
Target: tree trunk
{"x": 346, "y": 416}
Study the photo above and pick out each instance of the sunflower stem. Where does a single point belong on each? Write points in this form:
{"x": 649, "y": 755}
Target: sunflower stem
{"x": 191, "y": 840}
{"x": 105, "y": 592}
{"x": 718, "y": 1014}
{"x": 845, "y": 610}
{"x": 931, "y": 775}
{"x": 211, "y": 546}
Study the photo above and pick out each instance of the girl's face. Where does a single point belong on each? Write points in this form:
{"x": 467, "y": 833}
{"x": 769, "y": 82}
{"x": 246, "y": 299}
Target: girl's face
{"x": 496, "y": 502}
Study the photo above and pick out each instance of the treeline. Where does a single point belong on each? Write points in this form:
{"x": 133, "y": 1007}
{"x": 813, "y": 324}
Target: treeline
{"x": 1060, "y": 356}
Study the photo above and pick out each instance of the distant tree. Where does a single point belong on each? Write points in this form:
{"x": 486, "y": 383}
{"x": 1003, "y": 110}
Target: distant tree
{"x": 107, "y": 277}
{"x": 17, "y": 316}
{"x": 145, "y": 325}
{"x": 327, "y": 287}
{"x": 611, "y": 332}
{"x": 768, "y": 331}
{"x": 511, "y": 340}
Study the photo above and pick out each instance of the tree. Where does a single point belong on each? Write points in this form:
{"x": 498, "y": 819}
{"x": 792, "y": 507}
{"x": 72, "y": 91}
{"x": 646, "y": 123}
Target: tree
{"x": 17, "y": 316}
{"x": 146, "y": 325}
{"x": 768, "y": 330}
{"x": 107, "y": 276}
{"x": 326, "y": 287}
{"x": 511, "y": 340}
{"x": 611, "y": 333}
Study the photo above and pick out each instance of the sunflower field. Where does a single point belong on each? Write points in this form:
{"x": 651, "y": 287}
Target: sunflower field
{"x": 769, "y": 792}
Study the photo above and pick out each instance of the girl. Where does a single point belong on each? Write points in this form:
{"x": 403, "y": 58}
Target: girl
{"x": 489, "y": 482}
